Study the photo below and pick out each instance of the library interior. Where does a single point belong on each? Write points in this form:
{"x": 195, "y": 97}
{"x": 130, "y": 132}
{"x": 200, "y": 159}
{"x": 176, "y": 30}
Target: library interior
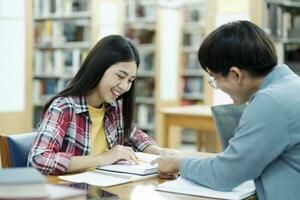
{"x": 43, "y": 44}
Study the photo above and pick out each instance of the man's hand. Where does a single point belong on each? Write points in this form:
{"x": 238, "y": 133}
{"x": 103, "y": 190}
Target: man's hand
{"x": 168, "y": 166}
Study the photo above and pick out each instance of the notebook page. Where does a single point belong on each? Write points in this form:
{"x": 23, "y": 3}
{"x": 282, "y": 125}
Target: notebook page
{"x": 104, "y": 178}
{"x": 184, "y": 186}
{"x": 143, "y": 168}
{"x": 98, "y": 178}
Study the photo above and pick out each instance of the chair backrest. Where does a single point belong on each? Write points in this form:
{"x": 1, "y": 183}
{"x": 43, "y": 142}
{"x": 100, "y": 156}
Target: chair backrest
{"x": 226, "y": 119}
{"x": 14, "y": 149}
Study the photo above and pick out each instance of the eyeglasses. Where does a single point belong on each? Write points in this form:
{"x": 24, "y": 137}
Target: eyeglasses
{"x": 213, "y": 82}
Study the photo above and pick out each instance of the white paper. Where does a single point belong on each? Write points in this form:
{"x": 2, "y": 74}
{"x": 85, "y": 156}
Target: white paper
{"x": 169, "y": 55}
{"x": 95, "y": 178}
{"x": 183, "y": 186}
{"x": 103, "y": 178}
{"x": 12, "y": 65}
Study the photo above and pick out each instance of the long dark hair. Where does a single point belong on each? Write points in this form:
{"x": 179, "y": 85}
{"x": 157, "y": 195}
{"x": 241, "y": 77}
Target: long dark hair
{"x": 108, "y": 51}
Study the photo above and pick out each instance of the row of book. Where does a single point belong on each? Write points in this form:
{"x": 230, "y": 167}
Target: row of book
{"x": 146, "y": 115}
{"x": 44, "y": 89}
{"x": 193, "y": 85}
{"x": 58, "y": 62}
{"x": 283, "y": 22}
{"x": 140, "y": 10}
{"x": 195, "y": 37}
{"x": 140, "y": 36}
{"x": 49, "y": 32}
{"x": 145, "y": 87}
{"x": 190, "y": 61}
{"x": 59, "y": 7}
{"x": 194, "y": 12}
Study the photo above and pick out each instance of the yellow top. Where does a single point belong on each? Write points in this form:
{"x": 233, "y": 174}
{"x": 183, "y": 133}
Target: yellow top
{"x": 98, "y": 137}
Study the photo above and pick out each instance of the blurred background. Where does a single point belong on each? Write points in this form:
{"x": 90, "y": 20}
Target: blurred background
{"x": 43, "y": 43}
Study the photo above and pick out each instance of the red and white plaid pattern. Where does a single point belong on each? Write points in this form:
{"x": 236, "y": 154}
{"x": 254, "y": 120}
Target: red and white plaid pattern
{"x": 65, "y": 132}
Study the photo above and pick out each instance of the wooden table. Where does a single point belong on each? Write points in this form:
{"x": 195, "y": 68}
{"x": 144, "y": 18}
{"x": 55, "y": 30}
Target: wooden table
{"x": 138, "y": 190}
{"x": 197, "y": 117}
{"x": 144, "y": 190}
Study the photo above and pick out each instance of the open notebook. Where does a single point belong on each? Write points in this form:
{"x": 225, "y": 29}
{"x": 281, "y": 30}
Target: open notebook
{"x": 117, "y": 173}
{"x": 184, "y": 186}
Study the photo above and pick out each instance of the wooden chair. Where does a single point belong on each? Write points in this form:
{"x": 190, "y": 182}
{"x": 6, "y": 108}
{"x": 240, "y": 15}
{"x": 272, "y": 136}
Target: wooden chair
{"x": 14, "y": 149}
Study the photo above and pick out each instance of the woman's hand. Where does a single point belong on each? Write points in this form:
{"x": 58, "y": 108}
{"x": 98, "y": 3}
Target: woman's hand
{"x": 119, "y": 153}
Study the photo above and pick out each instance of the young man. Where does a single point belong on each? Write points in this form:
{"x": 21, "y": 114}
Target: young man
{"x": 241, "y": 60}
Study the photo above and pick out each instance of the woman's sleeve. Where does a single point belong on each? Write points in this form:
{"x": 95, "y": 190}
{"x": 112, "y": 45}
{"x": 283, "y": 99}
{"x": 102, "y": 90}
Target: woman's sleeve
{"x": 139, "y": 139}
{"x": 45, "y": 154}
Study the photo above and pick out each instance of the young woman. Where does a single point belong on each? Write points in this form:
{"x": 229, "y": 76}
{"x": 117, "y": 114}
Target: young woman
{"x": 90, "y": 122}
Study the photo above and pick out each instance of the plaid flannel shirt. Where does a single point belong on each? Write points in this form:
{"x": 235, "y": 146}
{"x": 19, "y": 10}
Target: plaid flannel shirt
{"x": 65, "y": 131}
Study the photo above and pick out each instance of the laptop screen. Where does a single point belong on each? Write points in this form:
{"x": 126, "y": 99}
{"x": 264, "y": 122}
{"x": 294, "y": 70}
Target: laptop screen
{"x": 226, "y": 119}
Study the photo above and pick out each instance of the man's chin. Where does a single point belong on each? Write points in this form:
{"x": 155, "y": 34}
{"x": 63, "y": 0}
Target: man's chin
{"x": 238, "y": 102}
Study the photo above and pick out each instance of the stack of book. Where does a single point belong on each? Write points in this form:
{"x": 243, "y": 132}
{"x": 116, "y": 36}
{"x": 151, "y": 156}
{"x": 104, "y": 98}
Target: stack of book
{"x": 22, "y": 183}
{"x": 29, "y": 183}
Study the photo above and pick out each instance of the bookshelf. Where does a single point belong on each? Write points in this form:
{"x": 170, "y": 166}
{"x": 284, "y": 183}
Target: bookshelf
{"x": 140, "y": 27}
{"x": 194, "y": 30}
{"x": 283, "y": 24}
{"x": 62, "y": 37}
{"x": 192, "y": 77}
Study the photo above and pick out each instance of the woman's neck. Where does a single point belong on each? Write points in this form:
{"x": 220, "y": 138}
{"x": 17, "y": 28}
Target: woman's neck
{"x": 93, "y": 101}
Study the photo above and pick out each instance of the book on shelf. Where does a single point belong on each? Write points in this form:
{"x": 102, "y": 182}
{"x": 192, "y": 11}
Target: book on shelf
{"x": 49, "y": 33}
{"x": 59, "y": 7}
{"x": 140, "y": 10}
{"x": 58, "y": 62}
{"x": 193, "y": 85}
{"x": 145, "y": 87}
{"x": 184, "y": 186}
{"x": 118, "y": 173}
{"x": 22, "y": 183}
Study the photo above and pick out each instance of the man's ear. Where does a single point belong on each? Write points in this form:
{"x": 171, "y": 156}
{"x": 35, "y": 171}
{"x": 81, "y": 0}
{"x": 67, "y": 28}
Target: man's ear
{"x": 236, "y": 73}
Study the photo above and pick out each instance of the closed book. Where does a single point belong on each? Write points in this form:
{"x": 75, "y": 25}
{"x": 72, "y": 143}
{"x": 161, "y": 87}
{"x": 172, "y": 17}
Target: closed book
{"x": 184, "y": 186}
{"x": 22, "y": 183}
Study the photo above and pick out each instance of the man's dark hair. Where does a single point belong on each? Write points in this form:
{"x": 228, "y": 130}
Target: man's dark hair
{"x": 241, "y": 44}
